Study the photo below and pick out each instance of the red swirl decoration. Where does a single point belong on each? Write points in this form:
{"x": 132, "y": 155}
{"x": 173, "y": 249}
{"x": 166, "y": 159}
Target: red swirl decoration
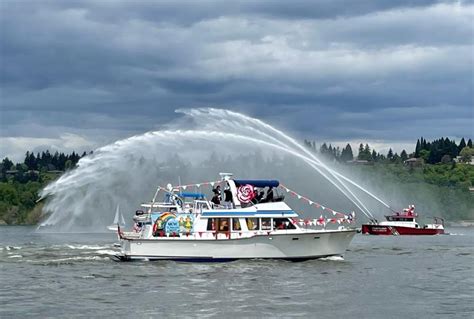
{"x": 245, "y": 193}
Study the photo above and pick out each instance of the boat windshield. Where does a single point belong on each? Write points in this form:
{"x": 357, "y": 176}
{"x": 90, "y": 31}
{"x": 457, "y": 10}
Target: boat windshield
{"x": 399, "y": 219}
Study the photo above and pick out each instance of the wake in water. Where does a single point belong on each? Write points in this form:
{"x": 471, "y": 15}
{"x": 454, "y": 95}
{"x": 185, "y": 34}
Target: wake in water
{"x": 127, "y": 172}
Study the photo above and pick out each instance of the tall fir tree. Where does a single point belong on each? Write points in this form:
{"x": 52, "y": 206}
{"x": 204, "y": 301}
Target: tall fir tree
{"x": 346, "y": 154}
{"x": 462, "y": 144}
{"x": 403, "y": 155}
{"x": 417, "y": 148}
{"x": 390, "y": 154}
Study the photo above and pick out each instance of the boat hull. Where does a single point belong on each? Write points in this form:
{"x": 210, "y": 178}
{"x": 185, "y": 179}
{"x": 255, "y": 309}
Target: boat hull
{"x": 295, "y": 247}
{"x": 373, "y": 229}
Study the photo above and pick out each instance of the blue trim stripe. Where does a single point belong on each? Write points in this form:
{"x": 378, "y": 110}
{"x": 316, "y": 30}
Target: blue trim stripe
{"x": 262, "y": 212}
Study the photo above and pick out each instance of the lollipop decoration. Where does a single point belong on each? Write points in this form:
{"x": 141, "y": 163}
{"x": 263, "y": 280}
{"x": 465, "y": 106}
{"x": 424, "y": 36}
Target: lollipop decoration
{"x": 245, "y": 193}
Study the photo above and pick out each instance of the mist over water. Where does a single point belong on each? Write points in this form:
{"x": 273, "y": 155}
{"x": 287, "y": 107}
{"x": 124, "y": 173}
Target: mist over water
{"x": 193, "y": 149}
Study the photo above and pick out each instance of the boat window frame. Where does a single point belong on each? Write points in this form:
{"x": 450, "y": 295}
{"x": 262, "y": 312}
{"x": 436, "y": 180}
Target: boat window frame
{"x": 220, "y": 220}
{"x": 253, "y": 221}
{"x": 211, "y": 221}
{"x": 238, "y": 221}
{"x": 289, "y": 226}
{"x": 271, "y": 223}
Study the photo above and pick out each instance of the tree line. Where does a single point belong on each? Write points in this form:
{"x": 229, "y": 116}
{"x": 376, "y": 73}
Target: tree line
{"x": 441, "y": 150}
{"x": 21, "y": 182}
{"x": 32, "y": 165}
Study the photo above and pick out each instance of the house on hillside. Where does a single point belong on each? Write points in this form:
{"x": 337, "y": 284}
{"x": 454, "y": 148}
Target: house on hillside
{"x": 457, "y": 159}
{"x": 414, "y": 162}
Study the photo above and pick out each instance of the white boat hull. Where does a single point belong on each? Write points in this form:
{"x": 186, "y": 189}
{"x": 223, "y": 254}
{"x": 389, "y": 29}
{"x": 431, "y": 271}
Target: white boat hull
{"x": 294, "y": 246}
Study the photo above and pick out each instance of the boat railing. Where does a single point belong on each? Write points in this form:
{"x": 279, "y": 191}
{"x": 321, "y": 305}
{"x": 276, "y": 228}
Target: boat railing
{"x": 437, "y": 220}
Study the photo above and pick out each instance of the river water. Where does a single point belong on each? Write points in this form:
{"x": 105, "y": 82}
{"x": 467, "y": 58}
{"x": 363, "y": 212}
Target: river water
{"x": 72, "y": 275}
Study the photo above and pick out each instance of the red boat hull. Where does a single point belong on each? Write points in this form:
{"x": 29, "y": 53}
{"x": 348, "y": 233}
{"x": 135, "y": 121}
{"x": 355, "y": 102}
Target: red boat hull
{"x": 373, "y": 229}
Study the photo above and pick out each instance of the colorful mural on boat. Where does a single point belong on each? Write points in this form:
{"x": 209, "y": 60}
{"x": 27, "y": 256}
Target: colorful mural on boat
{"x": 166, "y": 224}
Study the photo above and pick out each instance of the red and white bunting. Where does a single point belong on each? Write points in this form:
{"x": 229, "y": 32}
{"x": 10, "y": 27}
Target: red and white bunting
{"x": 340, "y": 217}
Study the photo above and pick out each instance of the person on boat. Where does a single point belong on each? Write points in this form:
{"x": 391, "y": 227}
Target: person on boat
{"x": 278, "y": 224}
{"x": 227, "y": 197}
{"x": 224, "y": 225}
{"x": 216, "y": 199}
{"x": 269, "y": 197}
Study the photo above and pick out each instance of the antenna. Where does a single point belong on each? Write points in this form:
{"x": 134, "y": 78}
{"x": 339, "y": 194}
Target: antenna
{"x": 226, "y": 176}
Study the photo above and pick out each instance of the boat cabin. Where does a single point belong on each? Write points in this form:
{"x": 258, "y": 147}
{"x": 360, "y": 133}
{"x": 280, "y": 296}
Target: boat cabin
{"x": 243, "y": 208}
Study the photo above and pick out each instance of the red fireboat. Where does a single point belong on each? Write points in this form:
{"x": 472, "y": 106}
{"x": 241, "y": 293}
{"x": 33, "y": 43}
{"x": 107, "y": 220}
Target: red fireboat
{"x": 404, "y": 224}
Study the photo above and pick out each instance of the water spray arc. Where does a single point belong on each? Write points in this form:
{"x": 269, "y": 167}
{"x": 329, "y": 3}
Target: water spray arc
{"x": 216, "y": 114}
{"x": 121, "y": 170}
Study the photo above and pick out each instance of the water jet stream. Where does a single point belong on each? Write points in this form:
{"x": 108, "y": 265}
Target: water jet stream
{"x": 124, "y": 171}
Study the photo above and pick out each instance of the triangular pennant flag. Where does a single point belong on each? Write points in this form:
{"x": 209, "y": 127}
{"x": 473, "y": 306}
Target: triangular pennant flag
{"x": 198, "y": 185}
{"x": 310, "y": 202}
{"x": 212, "y": 184}
{"x": 323, "y": 208}
{"x": 299, "y": 196}
{"x": 184, "y": 187}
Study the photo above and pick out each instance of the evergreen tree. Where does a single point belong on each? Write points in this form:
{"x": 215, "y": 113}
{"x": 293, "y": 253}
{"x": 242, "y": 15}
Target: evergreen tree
{"x": 337, "y": 153}
{"x": 367, "y": 153}
{"x": 374, "y": 155}
{"x": 469, "y": 143}
{"x": 417, "y": 148}
{"x": 30, "y": 161}
{"x": 462, "y": 145}
{"x": 6, "y": 164}
{"x": 324, "y": 149}
{"x": 360, "y": 156}
{"x": 403, "y": 155}
{"x": 347, "y": 154}
{"x": 396, "y": 158}
{"x": 390, "y": 154}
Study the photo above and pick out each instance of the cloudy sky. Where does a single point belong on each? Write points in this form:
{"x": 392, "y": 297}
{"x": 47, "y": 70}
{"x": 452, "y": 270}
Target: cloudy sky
{"x": 79, "y": 74}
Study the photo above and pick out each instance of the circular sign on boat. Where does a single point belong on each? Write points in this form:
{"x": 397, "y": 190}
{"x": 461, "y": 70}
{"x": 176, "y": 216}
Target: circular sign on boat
{"x": 245, "y": 193}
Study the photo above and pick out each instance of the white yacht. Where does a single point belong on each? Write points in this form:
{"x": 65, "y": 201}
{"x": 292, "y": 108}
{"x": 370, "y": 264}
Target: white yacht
{"x": 248, "y": 219}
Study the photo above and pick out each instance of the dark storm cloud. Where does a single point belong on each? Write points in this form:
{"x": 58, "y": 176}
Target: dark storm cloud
{"x": 104, "y": 70}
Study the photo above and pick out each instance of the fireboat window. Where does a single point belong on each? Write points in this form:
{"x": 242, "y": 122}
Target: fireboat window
{"x": 236, "y": 224}
{"x": 266, "y": 223}
{"x": 252, "y": 223}
{"x": 399, "y": 219}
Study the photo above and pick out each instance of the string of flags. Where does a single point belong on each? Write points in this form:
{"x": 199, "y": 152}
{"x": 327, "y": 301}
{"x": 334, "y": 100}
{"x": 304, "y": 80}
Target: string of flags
{"x": 198, "y": 185}
{"x": 338, "y": 217}
{"x": 321, "y": 221}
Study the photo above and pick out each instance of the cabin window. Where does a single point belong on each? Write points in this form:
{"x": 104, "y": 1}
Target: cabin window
{"x": 223, "y": 224}
{"x": 211, "y": 224}
{"x": 236, "y": 224}
{"x": 282, "y": 223}
{"x": 266, "y": 223}
{"x": 252, "y": 223}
